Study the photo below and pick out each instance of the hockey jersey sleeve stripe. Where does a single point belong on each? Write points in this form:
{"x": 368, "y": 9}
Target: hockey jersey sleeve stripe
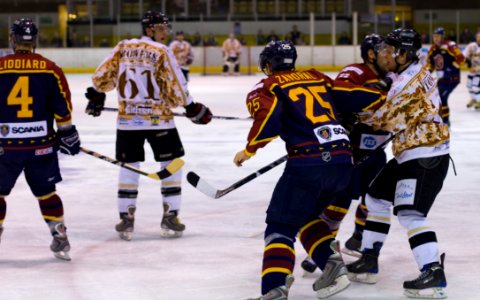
{"x": 256, "y": 139}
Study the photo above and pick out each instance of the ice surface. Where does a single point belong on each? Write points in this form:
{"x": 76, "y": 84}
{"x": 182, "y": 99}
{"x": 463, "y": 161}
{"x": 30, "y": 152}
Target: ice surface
{"x": 219, "y": 256}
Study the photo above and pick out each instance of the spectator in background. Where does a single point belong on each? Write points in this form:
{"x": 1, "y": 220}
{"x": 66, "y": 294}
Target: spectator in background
{"x": 197, "y": 39}
{"x": 260, "y": 38}
{"x": 104, "y": 43}
{"x": 452, "y": 36}
{"x": 237, "y": 28}
{"x": 272, "y": 36}
{"x": 296, "y": 36}
{"x": 344, "y": 39}
{"x": 183, "y": 52}
{"x": 466, "y": 36}
{"x": 425, "y": 37}
{"x": 231, "y": 55}
{"x": 210, "y": 40}
{"x": 56, "y": 40}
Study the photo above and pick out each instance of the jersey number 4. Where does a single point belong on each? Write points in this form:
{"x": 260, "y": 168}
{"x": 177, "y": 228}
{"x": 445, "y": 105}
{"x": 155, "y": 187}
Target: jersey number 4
{"x": 19, "y": 95}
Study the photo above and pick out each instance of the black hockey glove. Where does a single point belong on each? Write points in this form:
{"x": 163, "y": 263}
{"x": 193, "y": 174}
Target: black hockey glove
{"x": 383, "y": 85}
{"x": 96, "y": 102}
{"x": 198, "y": 113}
{"x": 69, "y": 141}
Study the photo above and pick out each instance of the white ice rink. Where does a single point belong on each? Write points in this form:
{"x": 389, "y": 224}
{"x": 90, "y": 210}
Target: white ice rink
{"x": 220, "y": 254}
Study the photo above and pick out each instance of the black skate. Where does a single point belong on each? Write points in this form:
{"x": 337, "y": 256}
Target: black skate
{"x": 171, "y": 226}
{"x": 365, "y": 269}
{"x": 430, "y": 284}
{"x": 1, "y": 231}
{"x": 60, "y": 245}
{"x": 308, "y": 265}
{"x": 125, "y": 227}
{"x": 334, "y": 278}
{"x": 353, "y": 245}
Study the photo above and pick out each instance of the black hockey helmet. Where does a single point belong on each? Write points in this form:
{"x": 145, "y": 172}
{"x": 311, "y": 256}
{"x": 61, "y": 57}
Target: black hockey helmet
{"x": 280, "y": 55}
{"x": 371, "y": 41}
{"x": 151, "y": 18}
{"x": 439, "y": 30}
{"x": 23, "y": 31}
{"x": 405, "y": 40}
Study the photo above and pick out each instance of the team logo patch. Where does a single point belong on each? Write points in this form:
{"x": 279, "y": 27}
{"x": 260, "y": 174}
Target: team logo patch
{"x": 4, "y": 129}
{"x": 369, "y": 142}
{"x": 326, "y": 156}
{"x": 325, "y": 133}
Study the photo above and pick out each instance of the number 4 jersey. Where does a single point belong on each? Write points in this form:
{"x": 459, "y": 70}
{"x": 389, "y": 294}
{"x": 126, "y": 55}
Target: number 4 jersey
{"x": 149, "y": 84}
{"x": 33, "y": 93}
{"x": 302, "y": 108}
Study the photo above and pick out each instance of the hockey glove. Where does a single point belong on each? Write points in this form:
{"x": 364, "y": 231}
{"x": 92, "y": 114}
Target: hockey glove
{"x": 69, "y": 141}
{"x": 96, "y": 102}
{"x": 198, "y": 113}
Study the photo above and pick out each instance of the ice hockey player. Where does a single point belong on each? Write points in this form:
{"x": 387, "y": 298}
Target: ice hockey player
{"x": 34, "y": 94}
{"x": 472, "y": 55}
{"x": 182, "y": 50}
{"x": 149, "y": 84}
{"x": 364, "y": 142}
{"x": 301, "y": 107}
{"x": 445, "y": 58}
{"x": 411, "y": 180}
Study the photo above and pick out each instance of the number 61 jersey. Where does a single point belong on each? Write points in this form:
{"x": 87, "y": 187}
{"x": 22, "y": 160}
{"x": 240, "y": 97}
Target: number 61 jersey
{"x": 33, "y": 93}
{"x": 302, "y": 108}
{"x": 149, "y": 84}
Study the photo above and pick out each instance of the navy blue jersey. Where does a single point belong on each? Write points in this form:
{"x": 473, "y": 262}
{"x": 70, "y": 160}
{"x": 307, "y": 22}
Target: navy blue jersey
{"x": 302, "y": 107}
{"x": 446, "y": 59}
{"x": 33, "y": 93}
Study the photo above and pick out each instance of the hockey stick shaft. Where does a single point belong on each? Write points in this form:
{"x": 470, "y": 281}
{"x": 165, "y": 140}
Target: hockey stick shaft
{"x": 183, "y": 115}
{"x": 205, "y": 188}
{"x": 173, "y": 167}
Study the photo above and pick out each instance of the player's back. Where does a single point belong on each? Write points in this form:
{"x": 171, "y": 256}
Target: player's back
{"x": 33, "y": 92}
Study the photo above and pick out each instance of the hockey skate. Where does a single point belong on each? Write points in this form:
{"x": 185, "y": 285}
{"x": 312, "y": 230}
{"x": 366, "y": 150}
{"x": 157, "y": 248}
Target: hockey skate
{"x": 278, "y": 293}
{"x": 471, "y": 103}
{"x": 365, "y": 269}
{"x": 60, "y": 245}
{"x": 334, "y": 278}
{"x": 477, "y": 105}
{"x": 308, "y": 266}
{"x": 1, "y": 231}
{"x": 125, "y": 227}
{"x": 171, "y": 226}
{"x": 353, "y": 245}
{"x": 430, "y": 284}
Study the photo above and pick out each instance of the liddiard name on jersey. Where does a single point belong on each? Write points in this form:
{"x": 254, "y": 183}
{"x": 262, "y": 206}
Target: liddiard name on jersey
{"x": 20, "y": 63}
{"x": 23, "y": 130}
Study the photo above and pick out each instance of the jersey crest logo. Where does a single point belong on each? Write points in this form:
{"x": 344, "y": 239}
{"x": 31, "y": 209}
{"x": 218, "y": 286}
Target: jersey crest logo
{"x": 4, "y": 130}
{"x": 325, "y": 133}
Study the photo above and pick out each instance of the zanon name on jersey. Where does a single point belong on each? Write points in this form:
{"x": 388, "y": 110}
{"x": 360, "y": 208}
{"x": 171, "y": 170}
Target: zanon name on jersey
{"x": 34, "y": 92}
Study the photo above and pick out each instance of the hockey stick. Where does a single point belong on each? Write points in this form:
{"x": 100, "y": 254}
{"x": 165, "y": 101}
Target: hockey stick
{"x": 173, "y": 167}
{"x": 212, "y": 192}
{"x": 183, "y": 115}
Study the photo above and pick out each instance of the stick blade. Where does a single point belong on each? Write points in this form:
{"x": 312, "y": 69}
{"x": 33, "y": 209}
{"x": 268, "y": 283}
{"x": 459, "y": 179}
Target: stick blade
{"x": 201, "y": 185}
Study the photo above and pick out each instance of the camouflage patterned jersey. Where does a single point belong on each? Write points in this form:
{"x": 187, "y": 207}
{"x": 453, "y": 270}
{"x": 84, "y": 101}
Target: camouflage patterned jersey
{"x": 149, "y": 84}
{"x": 412, "y": 112}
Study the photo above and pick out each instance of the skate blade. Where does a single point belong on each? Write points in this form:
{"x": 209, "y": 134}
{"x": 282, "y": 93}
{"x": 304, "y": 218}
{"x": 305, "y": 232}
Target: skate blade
{"x": 350, "y": 252}
{"x": 126, "y": 235}
{"x": 369, "y": 278}
{"x": 169, "y": 234}
{"x": 340, "y": 284}
{"x": 430, "y": 293}
{"x": 62, "y": 255}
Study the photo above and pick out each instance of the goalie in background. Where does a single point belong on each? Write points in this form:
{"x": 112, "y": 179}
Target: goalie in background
{"x": 33, "y": 96}
{"x": 231, "y": 48}
{"x": 147, "y": 90}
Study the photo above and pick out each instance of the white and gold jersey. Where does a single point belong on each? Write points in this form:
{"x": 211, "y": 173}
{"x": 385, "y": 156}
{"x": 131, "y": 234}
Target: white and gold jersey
{"x": 472, "y": 52}
{"x": 149, "y": 84}
{"x": 231, "y": 47}
{"x": 183, "y": 53}
{"x": 412, "y": 112}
